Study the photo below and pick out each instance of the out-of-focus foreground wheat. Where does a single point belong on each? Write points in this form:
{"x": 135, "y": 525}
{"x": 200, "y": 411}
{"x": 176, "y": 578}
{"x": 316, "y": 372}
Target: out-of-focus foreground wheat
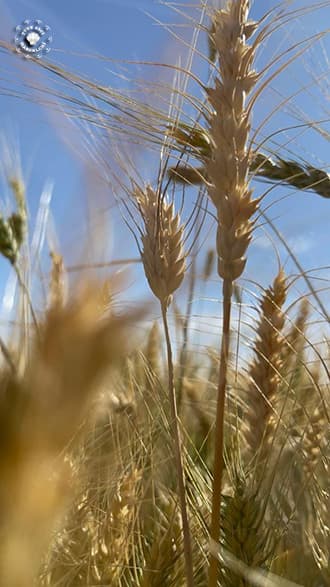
{"x": 156, "y": 464}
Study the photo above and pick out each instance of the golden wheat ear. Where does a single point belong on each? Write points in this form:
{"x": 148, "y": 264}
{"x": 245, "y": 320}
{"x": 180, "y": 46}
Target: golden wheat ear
{"x": 245, "y": 533}
{"x": 227, "y": 170}
{"x": 162, "y": 245}
{"x": 164, "y": 263}
{"x": 265, "y": 372}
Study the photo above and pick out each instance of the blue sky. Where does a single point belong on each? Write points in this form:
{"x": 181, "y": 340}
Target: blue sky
{"x": 128, "y": 29}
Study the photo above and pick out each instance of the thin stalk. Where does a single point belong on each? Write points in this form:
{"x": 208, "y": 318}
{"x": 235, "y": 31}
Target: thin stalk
{"x": 219, "y": 431}
{"x": 178, "y": 455}
{"x": 27, "y": 293}
{"x": 113, "y": 263}
{"x": 187, "y": 318}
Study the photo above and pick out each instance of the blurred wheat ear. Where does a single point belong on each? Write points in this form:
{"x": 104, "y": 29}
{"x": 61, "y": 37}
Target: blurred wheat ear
{"x": 13, "y": 229}
{"x": 39, "y": 415}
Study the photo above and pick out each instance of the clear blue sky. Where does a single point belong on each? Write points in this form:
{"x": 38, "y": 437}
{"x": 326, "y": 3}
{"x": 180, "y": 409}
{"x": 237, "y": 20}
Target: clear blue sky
{"x": 122, "y": 29}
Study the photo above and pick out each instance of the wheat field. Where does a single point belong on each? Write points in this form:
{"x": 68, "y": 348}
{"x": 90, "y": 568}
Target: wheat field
{"x": 178, "y": 437}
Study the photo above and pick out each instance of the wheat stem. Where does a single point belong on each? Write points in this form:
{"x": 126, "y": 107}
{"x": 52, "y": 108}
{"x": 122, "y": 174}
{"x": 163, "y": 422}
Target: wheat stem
{"x": 178, "y": 454}
{"x": 219, "y": 430}
{"x": 83, "y": 266}
{"x": 164, "y": 265}
{"x": 186, "y": 323}
{"x": 28, "y": 297}
{"x": 227, "y": 169}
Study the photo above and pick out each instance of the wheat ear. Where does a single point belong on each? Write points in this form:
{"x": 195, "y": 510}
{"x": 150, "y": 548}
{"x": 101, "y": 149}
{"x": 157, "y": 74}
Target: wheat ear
{"x": 162, "y": 255}
{"x": 227, "y": 171}
{"x": 314, "y": 441}
{"x": 295, "y": 338}
{"x": 265, "y": 370}
{"x": 13, "y": 229}
{"x": 164, "y": 265}
{"x": 162, "y": 556}
{"x": 244, "y": 534}
{"x": 39, "y": 415}
{"x": 302, "y": 177}
{"x": 297, "y": 175}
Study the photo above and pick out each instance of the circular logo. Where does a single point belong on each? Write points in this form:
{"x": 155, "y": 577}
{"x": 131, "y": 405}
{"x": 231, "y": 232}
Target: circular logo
{"x": 33, "y": 38}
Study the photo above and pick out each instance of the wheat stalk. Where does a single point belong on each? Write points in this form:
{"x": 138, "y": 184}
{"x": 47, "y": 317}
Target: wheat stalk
{"x": 164, "y": 265}
{"x": 227, "y": 171}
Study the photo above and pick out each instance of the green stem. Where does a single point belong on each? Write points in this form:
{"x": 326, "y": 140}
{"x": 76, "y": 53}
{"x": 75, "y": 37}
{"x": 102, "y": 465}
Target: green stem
{"x": 178, "y": 455}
